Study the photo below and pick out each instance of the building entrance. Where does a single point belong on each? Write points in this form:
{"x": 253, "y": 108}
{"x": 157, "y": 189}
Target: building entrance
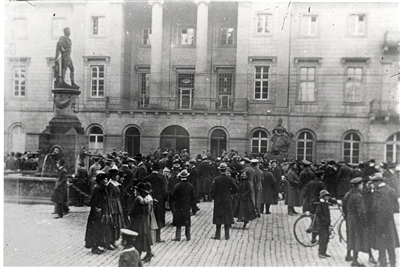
{"x": 175, "y": 138}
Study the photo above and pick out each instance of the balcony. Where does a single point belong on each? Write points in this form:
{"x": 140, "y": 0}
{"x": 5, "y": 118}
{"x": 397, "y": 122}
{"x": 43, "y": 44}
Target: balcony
{"x": 223, "y": 104}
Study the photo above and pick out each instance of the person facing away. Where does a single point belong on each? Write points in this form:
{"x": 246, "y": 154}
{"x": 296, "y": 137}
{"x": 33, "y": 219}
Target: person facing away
{"x": 129, "y": 256}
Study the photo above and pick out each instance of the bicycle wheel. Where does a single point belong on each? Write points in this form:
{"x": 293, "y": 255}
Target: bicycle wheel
{"x": 342, "y": 231}
{"x": 304, "y": 230}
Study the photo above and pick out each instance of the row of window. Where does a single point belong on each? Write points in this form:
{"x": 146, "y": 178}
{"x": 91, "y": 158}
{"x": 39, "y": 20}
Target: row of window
{"x": 176, "y": 137}
{"x": 307, "y": 85}
{"x": 187, "y": 35}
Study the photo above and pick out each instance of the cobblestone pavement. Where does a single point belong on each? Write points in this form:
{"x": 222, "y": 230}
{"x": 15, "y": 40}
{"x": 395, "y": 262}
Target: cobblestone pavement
{"x": 32, "y": 237}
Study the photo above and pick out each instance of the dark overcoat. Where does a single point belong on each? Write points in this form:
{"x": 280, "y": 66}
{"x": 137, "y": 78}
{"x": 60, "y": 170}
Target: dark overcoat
{"x": 184, "y": 198}
{"x": 205, "y": 175}
{"x": 311, "y": 194}
{"x": 250, "y": 172}
{"x": 269, "y": 188}
{"x": 258, "y": 186}
{"x": 293, "y": 180}
{"x": 194, "y": 180}
{"x": 343, "y": 178}
{"x": 306, "y": 175}
{"x": 96, "y": 230}
{"x": 221, "y": 191}
{"x": 330, "y": 179}
{"x": 160, "y": 193}
{"x": 247, "y": 211}
{"x": 60, "y": 193}
{"x": 385, "y": 204}
{"x": 140, "y": 223}
{"x": 277, "y": 172}
{"x": 356, "y": 221}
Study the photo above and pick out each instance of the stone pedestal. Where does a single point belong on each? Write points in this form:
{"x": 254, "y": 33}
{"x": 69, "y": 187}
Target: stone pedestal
{"x": 64, "y": 137}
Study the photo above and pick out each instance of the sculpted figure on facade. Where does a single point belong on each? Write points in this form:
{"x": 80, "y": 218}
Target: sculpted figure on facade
{"x": 281, "y": 139}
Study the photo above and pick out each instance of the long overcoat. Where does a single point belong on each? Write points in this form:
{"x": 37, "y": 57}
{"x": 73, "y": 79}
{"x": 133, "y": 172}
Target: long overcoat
{"x": 160, "y": 193}
{"x": 293, "y": 180}
{"x": 97, "y": 231}
{"x": 60, "y": 193}
{"x": 311, "y": 194}
{"x": 247, "y": 211}
{"x": 258, "y": 186}
{"x": 269, "y": 187}
{"x": 305, "y": 176}
{"x": 205, "y": 175}
{"x": 221, "y": 191}
{"x": 184, "y": 198}
{"x": 385, "y": 204}
{"x": 251, "y": 177}
{"x": 140, "y": 223}
{"x": 343, "y": 181}
{"x": 277, "y": 172}
{"x": 356, "y": 221}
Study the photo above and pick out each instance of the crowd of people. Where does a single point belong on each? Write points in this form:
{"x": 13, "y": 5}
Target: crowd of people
{"x": 134, "y": 193}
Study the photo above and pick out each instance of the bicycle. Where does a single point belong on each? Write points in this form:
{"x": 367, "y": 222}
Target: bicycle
{"x": 305, "y": 229}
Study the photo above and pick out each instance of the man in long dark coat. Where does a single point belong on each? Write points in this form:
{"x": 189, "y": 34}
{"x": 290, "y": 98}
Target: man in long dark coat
{"x": 312, "y": 190}
{"x": 306, "y": 175}
{"x": 293, "y": 192}
{"x": 205, "y": 175}
{"x": 356, "y": 220}
{"x": 159, "y": 193}
{"x": 343, "y": 178}
{"x": 221, "y": 191}
{"x": 184, "y": 198}
{"x": 60, "y": 193}
{"x": 277, "y": 172}
{"x": 330, "y": 177}
{"x": 384, "y": 206}
{"x": 258, "y": 190}
{"x": 193, "y": 179}
{"x": 269, "y": 189}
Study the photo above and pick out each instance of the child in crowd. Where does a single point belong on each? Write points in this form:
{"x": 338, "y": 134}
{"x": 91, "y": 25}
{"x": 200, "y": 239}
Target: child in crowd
{"x": 129, "y": 257}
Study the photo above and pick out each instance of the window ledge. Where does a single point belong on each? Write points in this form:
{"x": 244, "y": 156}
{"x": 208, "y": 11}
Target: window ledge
{"x": 260, "y": 101}
{"x": 298, "y": 102}
{"x": 92, "y": 99}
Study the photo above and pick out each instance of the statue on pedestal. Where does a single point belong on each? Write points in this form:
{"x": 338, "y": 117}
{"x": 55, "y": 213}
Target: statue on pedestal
{"x": 63, "y": 62}
{"x": 281, "y": 140}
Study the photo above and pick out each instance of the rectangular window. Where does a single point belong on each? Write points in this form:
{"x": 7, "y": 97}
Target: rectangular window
{"x": 264, "y": 23}
{"x": 185, "y": 87}
{"x": 144, "y": 90}
{"x": 19, "y": 76}
{"x": 357, "y": 25}
{"x": 98, "y": 26}
{"x": 309, "y": 26}
{"x": 146, "y": 37}
{"x": 225, "y": 86}
{"x": 187, "y": 36}
{"x": 97, "y": 80}
{"x": 307, "y": 84}
{"x": 20, "y": 28}
{"x": 58, "y": 25}
{"x": 261, "y": 80}
{"x": 226, "y": 36}
{"x": 354, "y": 84}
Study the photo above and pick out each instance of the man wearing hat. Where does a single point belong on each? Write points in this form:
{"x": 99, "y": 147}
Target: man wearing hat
{"x": 222, "y": 189}
{"x": 129, "y": 256}
{"x": 184, "y": 198}
{"x": 384, "y": 206}
{"x": 159, "y": 193}
{"x": 94, "y": 168}
{"x": 193, "y": 179}
{"x": 388, "y": 174}
{"x": 82, "y": 182}
{"x": 277, "y": 173}
{"x": 343, "y": 178}
{"x": 356, "y": 220}
{"x": 60, "y": 193}
{"x": 250, "y": 177}
{"x": 311, "y": 191}
{"x": 293, "y": 193}
{"x": 306, "y": 175}
{"x": 370, "y": 169}
{"x": 173, "y": 180}
{"x": 141, "y": 170}
{"x": 330, "y": 177}
{"x": 205, "y": 176}
{"x": 257, "y": 185}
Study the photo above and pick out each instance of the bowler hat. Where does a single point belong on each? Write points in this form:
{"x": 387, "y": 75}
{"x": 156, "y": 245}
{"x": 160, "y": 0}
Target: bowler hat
{"x": 138, "y": 156}
{"x": 319, "y": 172}
{"x": 356, "y": 180}
{"x": 101, "y": 176}
{"x": 113, "y": 171}
{"x": 156, "y": 166}
{"x": 166, "y": 170}
{"x": 223, "y": 166}
{"x": 305, "y": 162}
{"x": 183, "y": 174}
{"x": 376, "y": 177}
{"x": 128, "y": 234}
{"x": 292, "y": 162}
{"x": 142, "y": 187}
{"x": 323, "y": 193}
{"x": 176, "y": 166}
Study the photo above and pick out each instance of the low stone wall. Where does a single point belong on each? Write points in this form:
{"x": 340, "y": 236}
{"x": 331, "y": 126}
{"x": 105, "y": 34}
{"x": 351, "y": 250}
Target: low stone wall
{"x": 31, "y": 190}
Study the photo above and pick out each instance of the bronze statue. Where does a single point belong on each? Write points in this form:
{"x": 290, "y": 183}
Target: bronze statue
{"x": 281, "y": 139}
{"x": 63, "y": 61}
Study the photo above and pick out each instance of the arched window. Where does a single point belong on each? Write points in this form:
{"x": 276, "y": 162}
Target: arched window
{"x": 305, "y": 146}
{"x": 351, "y": 148}
{"x": 392, "y": 148}
{"x": 132, "y": 141}
{"x": 218, "y": 142}
{"x": 96, "y": 140}
{"x": 175, "y": 138}
{"x": 259, "y": 142}
{"x": 18, "y": 139}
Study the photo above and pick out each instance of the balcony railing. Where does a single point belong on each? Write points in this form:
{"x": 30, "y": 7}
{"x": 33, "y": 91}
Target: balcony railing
{"x": 175, "y": 104}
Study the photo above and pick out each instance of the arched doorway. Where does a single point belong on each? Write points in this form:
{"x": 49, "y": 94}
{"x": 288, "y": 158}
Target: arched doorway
{"x": 132, "y": 141}
{"x": 96, "y": 140}
{"x": 175, "y": 138}
{"x": 218, "y": 142}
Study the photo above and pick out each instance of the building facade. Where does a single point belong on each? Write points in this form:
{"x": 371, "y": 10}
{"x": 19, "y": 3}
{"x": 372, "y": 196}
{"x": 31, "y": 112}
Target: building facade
{"x": 212, "y": 76}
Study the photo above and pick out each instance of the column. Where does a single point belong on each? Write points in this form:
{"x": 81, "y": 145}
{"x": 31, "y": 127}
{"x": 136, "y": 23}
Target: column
{"x": 156, "y": 51}
{"x": 202, "y": 76}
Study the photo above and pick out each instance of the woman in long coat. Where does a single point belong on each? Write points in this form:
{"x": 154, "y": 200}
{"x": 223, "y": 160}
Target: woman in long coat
{"x": 60, "y": 193}
{"x": 140, "y": 221}
{"x": 115, "y": 195}
{"x": 247, "y": 211}
{"x": 293, "y": 180}
{"x": 268, "y": 186}
{"x": 97, "y": 230}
